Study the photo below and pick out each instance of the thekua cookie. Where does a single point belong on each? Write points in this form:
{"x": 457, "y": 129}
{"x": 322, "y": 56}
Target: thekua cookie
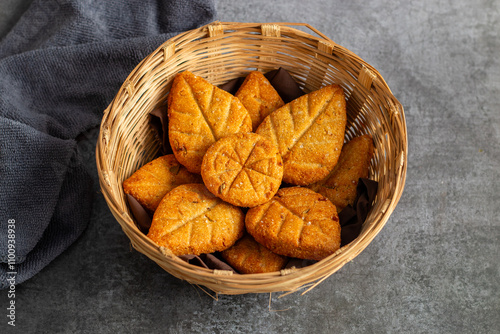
{"x": 198, "y": 115}
{"x": 191, "y": 220}
{"x": 296, "y": 222}
{"x": 259, "y": 97}
{"x": 247, "y": 256}
{"x": 244, "y": 169}
{"x": 155, "y": 179}
{"x": 309, "y": 132}
{"x": 340, "y": 185}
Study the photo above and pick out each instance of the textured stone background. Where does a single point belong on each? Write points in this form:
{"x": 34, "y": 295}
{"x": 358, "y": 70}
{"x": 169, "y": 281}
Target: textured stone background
{"x": 434, "y": 268}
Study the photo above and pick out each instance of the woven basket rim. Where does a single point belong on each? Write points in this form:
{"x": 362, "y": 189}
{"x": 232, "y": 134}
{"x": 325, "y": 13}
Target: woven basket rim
{"x": 215, "y": 280}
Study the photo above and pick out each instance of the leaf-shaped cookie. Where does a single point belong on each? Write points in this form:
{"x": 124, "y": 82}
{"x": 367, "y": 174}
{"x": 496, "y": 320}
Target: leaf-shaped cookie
{"x": 309, "y": 132}
{"x": 297, "y": 222}
{"x": 155, "y": 179}
{"x": 199, "y": 114}
{"x": 191, "y": 220}
{"x": 340, "y": 185}
{"x": 244, "y": 169}
{"x": 259, "y": 97}
{"x": 247, "y": 256}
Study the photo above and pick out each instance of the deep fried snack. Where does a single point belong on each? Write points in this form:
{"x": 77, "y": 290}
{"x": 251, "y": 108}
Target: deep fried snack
{"x": 191, "y": 220}
{"x": 244, "y": 169}
{"x": 155, "y": 179}
{"x": 259, "y": 97}
{"x": 340, "y": 185}
{"x": 309, "y": 132}
{"x": 297, "y": 222}
{"x": 199, "y": 114}
{"x": 247, "y": 256}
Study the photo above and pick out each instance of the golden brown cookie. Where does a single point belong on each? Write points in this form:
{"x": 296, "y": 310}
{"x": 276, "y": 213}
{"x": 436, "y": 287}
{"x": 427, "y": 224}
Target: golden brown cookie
{"x": 155, "y": 179}
{"x": 199, "y": 114}
{"x": 191, "y": 220}
{"x": 340, "y": 185}
{"x": 309, "y": 132}
{"x": 247, "y": 256}
{"x": 297, "y": 222}
{"x": 259, "y": 97}
{"x": 244, "y": 169}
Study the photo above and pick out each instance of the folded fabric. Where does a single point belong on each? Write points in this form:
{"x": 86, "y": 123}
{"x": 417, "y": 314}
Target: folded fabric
{"x": 60, "y": 67}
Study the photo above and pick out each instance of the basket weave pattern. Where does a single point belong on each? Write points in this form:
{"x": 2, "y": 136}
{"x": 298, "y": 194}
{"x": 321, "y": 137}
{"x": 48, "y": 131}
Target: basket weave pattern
{"x": 220, "y": 52}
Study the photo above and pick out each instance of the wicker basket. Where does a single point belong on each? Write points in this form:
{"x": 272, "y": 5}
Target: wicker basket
{"x": 223, "y": 51}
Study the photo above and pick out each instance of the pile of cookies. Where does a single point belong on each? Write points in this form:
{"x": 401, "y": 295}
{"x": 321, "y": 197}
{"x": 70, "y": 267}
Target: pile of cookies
{"x": 251, "y": 177}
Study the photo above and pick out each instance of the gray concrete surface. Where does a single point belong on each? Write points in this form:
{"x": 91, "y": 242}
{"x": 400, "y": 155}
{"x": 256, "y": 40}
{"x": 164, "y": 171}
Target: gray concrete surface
{"x": 434, "y": 268}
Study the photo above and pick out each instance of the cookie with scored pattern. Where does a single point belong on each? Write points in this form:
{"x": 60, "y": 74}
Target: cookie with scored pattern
{"x": 247, "y": 256}
{"x": 191, "y": 220}
{"x": 296, "y": 222}
{"x": 309, "y": 132}
{"x": 340, "y": 185}
{"x": 259, "y": 97}
{"x": 199, "y": 114}
{"x": 155, "y": 179}
{"x": 244, "y": 169}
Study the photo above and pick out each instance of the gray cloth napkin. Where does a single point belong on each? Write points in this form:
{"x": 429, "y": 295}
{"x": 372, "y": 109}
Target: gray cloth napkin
{"x": 60, "y": 67}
